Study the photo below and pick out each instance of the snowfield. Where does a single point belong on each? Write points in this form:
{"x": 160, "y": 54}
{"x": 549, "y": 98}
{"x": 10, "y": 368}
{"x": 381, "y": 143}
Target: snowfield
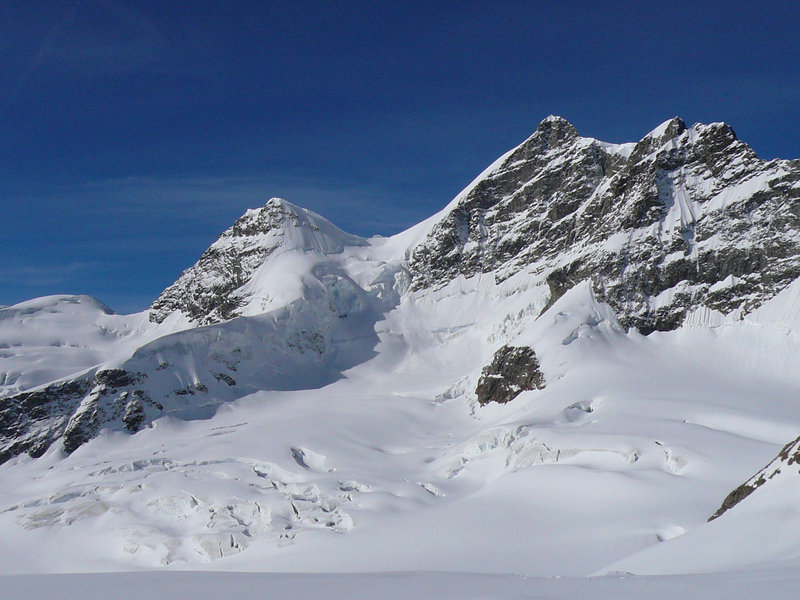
{"x": 782, "y": 584}
{"x": 624, "y": 455}
{"x": 324, "y": 438}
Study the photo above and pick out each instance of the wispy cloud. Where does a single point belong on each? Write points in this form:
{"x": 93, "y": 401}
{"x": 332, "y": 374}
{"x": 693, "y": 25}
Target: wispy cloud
{"x": 44, "y": 275}
{"x": 216, "y": 201}
{"x": 126, "y": 41}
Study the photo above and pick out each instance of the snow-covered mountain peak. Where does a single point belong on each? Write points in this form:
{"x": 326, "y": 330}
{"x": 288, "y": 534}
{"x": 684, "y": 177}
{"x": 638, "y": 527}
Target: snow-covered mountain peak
{"x": 668, "y": 130}
{"x": 47, "y": 338}
{"x": 658, "y": 227}
{"x": 59, "y": 303}
{"x": 269, "y": 305}
{"x": 299, "y": 382}
{"x": 552, "y": 133}
{"x": 553, "y": 119}
{"x": 216, "y": 287}
{"x": 291, "y": 227}
{"x": 701, "y": 138}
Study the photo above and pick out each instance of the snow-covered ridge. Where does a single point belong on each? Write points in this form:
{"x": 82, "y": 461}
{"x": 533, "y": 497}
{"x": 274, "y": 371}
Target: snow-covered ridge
{"x": 234, "y": 273}
{"x": 52, "y": 337}
{"x": 657, "y": 226}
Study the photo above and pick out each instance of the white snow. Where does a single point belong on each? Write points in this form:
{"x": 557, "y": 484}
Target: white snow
{"x": 48, "y": 338}
{"x": 659, "y": 131}
{"x": 633, "y": 441}
{"x": 623, "y": 150}
{"x": 782, "y": 584}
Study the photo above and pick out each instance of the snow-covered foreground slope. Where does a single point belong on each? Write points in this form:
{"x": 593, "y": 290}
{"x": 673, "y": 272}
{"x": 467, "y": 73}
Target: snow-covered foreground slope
{"x": 779, "y": 584}
{"x": 633, "y": 442}
{"x": 303, "y": 400}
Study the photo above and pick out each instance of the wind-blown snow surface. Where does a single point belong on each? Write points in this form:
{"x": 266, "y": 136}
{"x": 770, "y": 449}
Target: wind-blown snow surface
{"x": 48, "y": 338}
{"x": 375, "y": 456}
{"x": 781, "y": 585}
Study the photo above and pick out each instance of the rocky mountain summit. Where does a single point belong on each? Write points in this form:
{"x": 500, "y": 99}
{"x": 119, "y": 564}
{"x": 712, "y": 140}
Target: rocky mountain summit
{"x": 213, "y": 290}
{"x": 686, "y": 219}
{"x": 467, "y": 383}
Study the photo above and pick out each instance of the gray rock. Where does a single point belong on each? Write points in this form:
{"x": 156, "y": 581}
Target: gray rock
{"x": 513, "y": 369}
{"x": 72, "y": 410}
{"x": 788, "y": 458}
{"x": 31, "y": 421}
{"x": 134, "y": 415}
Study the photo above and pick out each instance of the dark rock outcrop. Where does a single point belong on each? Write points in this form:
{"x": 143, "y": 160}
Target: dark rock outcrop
{"x": 788, "y": 458}
{"x": 514, "y": 369}
{"x": 31, "y": 421}
{"x": 72, "y": 410}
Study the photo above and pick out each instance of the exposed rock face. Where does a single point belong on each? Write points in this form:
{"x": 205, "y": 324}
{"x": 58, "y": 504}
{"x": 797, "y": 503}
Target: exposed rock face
{"x": 211, "y": 290}
{"x": 514, "y": 369}
{"x": 112, "y": 397}
{"x": 30, "y": 422}
{"x": 687, "y": 217}
{"x": 49, "y": 408}
{"x": 788, "y": 459}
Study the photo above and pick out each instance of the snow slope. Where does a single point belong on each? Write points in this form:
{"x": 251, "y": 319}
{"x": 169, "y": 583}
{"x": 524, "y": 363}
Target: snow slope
{"x": 48, "y": 338}
{"x": 782, "y": 585}
{"x": 634, "y": 441}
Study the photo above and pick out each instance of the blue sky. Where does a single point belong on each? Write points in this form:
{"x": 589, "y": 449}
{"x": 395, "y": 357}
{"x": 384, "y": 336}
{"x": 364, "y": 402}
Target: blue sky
{"x": 132, "y": 133}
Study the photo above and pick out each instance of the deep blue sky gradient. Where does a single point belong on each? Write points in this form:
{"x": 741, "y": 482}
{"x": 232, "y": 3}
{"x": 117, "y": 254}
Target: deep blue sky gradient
{"x": 132, "y": 132}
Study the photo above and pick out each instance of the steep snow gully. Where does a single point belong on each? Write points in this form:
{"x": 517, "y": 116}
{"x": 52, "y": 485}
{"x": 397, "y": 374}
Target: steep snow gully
{"x": 564, "y": 372}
